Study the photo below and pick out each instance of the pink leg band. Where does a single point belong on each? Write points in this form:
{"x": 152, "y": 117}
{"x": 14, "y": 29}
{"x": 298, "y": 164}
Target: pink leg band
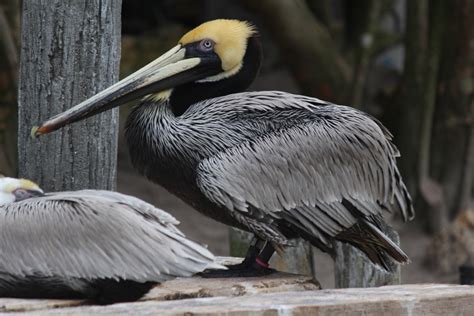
{"x": 261, "y": 263}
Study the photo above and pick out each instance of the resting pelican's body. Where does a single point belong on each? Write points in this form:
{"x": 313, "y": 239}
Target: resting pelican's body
{"x": 93, "y": 244}
{"x": 278, "y": 165}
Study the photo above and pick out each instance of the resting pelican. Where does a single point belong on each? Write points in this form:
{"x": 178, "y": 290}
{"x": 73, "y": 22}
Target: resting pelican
{"x": 100, "y": 245}
{"x": 279, "y": 165}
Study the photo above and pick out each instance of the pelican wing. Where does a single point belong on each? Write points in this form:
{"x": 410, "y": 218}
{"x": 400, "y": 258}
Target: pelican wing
{"x": 320, "y": 167}
{"x": 95, "y": 234}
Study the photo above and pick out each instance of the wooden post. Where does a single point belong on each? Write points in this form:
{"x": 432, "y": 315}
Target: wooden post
{"x": 70, "y": 51}
{"x": 354, "y": 269}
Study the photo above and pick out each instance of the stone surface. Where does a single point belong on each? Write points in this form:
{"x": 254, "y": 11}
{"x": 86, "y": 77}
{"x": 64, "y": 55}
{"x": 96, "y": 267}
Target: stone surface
{"x": 198, "y": 287}
{"x": 188, "y": 288}
{"x": 277, "y": 294}
{"x": 22, "y": 305}
{"x": 414, "y": 299}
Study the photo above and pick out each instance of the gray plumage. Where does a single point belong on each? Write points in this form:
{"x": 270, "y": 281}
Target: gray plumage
{"x": 77, "y": 238}
{"x": 269, "y": 162}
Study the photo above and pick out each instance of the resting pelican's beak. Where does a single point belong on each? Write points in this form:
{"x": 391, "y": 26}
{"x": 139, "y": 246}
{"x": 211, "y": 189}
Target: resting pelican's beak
{"x": 170, "y": 70}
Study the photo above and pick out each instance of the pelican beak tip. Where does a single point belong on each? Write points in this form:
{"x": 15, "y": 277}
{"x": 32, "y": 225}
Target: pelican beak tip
{"x": 35, "y": 133}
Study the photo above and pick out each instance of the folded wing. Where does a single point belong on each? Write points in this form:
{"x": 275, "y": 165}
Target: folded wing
{"x": 322, "y": 176}
{"x": 96, "y": 234}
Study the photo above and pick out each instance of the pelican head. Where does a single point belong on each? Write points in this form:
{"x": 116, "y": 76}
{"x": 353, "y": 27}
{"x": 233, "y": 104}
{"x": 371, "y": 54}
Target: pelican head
{"x": 216, "y": 58}
{"x": 14, "y": 190}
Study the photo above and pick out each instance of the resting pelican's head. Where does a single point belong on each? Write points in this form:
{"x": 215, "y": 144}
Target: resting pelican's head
{"x": 14, "y": 190}
{"x": 216, "y": 58}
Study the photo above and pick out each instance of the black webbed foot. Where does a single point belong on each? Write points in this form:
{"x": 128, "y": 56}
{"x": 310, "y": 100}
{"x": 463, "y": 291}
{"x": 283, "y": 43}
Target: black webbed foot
{"x": 255, "y": 263}
{"x": 242, "y": 270}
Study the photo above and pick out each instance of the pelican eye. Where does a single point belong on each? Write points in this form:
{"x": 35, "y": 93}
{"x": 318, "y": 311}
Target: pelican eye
{"x": 21, "y": 194}
{"x": 206, "y": 45}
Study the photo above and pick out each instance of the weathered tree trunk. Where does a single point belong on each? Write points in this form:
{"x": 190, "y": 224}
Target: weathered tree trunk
{"x": 454, "y": 115}
{"x": 423, "y": 36}
{"x": 354, "y": 269}
{"x": 430, "y": 190}
{"x": 416, "y": 42}
{"x": 70, "y": 51}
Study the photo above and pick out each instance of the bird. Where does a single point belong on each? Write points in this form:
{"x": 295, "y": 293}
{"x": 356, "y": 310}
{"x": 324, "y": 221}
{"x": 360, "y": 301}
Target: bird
{"x": 98, "y": 245}
{"x": 278, "y": 165}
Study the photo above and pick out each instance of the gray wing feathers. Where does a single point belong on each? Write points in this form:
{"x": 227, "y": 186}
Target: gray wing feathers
{"x": 138, "y": 205}
{"x": 86, "y": 235}
{"x": 309, "y": 169}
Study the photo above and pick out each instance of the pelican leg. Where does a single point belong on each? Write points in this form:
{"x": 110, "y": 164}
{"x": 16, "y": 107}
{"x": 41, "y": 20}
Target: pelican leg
{"x": 254, "y": 264}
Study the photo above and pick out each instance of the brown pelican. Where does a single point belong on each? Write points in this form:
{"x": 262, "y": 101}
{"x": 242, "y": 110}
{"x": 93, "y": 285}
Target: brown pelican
{"x": 279, "y": 165}
{"x": 99, "y": 245}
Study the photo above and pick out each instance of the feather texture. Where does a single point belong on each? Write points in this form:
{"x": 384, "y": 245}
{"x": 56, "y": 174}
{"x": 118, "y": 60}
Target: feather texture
{"x": 267, "y": 158}
{"x": 95, "y": 235}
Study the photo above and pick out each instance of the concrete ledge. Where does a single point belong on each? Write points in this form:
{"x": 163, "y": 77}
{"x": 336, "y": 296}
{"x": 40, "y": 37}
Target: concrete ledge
{"x": 276, "y": 294}
{"x": 199, "y": 287}
{"x": 416, "y": 299}
{"x": 183, "y": 288}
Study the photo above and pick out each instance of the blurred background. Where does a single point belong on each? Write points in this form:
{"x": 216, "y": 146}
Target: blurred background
{"x": 408, "y": 63}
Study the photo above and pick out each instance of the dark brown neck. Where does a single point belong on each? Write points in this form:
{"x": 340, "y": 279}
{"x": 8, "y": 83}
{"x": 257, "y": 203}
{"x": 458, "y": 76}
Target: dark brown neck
{"x": 185, "y": 95}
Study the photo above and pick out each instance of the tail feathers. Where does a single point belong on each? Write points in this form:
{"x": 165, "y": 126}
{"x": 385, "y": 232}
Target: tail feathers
{"x": 375, "y": 244}
{"x": 402, "y": 199}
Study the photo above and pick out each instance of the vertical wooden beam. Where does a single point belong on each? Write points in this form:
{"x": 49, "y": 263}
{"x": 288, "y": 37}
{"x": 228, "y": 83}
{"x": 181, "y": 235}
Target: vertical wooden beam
{"x": 412, "y": 90}
{"x": 70, "y": 51}
{"x": 354, "y": 269}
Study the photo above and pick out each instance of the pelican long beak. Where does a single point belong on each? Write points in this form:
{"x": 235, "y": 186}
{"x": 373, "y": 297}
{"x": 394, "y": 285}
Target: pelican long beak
{"x": 170, "y": 70}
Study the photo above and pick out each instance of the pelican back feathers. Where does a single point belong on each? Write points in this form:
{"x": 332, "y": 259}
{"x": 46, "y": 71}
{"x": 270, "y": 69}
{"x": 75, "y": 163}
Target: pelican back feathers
{"x": 83, "y": 237}
{"x": 273, "y": 159}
